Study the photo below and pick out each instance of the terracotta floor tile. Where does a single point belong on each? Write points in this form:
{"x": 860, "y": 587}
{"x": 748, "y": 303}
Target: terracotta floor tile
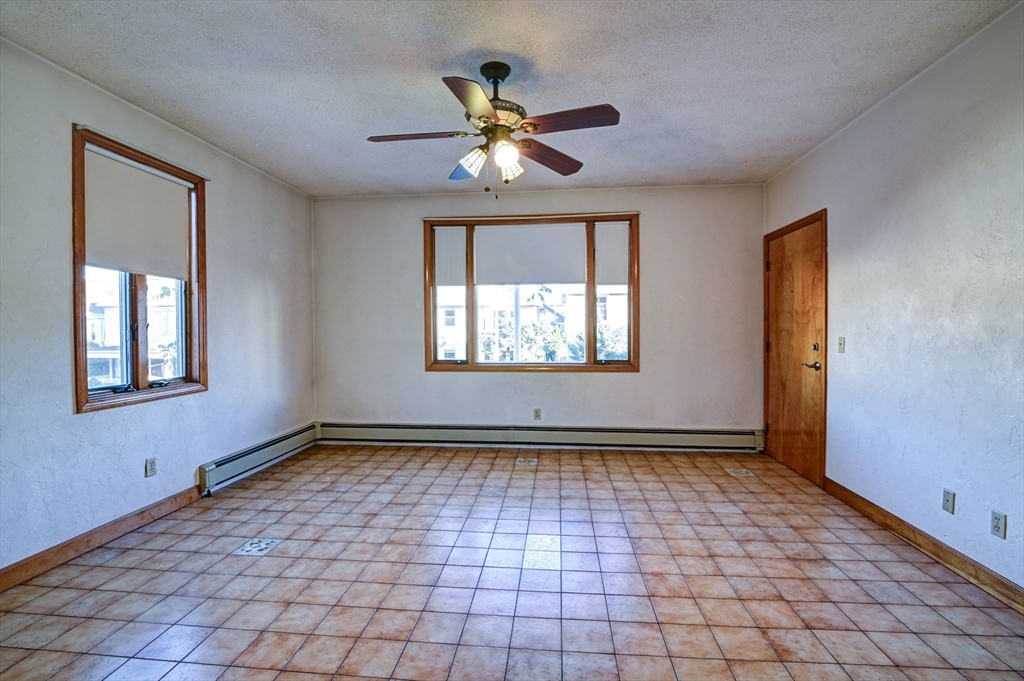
{"x": 973, "y": 621}
{"x": 1009, "y": 649}
{"x": 271, "y": 650}
{"x": 808, "y": 671}
{"x": 89, "y": 667}
{"x": 85, "y": 636}
{"x": 187, "y": 671}
{"x": 921, "y": 619}
{"x": 631, "y": 638}
{"x": 725, "y": 612}
{"x": 852, "y": 647}
{"x": 691, "y": 641}
{"x": 425, "y": 662}
{"x": 688, "y": 669}
{"x": 743, "y": 643}
{"x": 299, "y": 618}
{"x": 584, "y": 606}
{"x": 175, "y": 643}
{"x": 39, "y": 665}
{"x": 872, "y": 617}
{"x": 587, "y": 636}
{"x": 823, "y": 616}
{"x": 746, "y": 670}
{"x": 438, "y": 627}
{"x": 434, "y": 562}
{"x": 533, "y": 665}
{"x": 222, "y": 647}
{"x": 473, "y": 663}
{"x": 142, "y": 670}
{"x": 797, "y": 645}
{"x": 589, "y": 667}
{"x": 962, "y": 652}
{"x": 393, "y": 625}
{"x": 536, "y": 633}
{"x": 486, "y": 630}
{"x": 774, "y": 615}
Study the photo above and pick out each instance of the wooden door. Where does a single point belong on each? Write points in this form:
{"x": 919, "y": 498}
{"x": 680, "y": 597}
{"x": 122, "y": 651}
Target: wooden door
{"x": 795, "y": 341}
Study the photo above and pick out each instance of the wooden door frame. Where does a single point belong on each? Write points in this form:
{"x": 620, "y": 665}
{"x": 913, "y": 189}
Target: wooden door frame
{"x": 821, "y": 215}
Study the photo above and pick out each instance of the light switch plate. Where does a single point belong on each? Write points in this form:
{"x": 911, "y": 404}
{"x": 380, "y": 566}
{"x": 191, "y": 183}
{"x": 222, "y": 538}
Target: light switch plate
{"x": 948, "y": 501}
{"x": 842, "y": 344}
{"x": 999, "y": 524}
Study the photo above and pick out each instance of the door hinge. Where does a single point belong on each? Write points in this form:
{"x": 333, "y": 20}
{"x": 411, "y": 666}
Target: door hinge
{"x": 767, "y": 346}
{"x": 766, "y": 430}
{"x": 135, "y": 332}
{"x": 767, "y": 266}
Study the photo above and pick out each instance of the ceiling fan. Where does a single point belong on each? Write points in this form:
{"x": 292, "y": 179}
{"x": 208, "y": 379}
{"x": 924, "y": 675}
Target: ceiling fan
{"x": 496, "y": 119}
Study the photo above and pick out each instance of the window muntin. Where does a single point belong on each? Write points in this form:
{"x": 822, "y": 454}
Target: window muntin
{"x": 531, "y": 302}
{"x": 139, "y": 221}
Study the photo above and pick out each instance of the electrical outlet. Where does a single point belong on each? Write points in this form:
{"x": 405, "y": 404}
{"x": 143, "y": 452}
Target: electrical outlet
{"x": 999, "y": 524}
{"x": 150, "y": 467}
{"x": 948, "y": 501}
{"x": 536, "y": 414}
{"x": 842, "y": 344}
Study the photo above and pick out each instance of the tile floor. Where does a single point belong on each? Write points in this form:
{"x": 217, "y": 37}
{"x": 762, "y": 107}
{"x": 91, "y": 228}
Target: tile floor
{"x": 431, "y": 563}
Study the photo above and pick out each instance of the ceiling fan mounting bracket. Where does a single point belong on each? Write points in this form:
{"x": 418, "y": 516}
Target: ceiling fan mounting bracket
{"x": 495, "y": 72}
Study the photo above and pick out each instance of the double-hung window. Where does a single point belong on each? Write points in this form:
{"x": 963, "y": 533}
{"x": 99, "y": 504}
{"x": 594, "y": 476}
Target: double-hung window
{"x": 139, "y": 275}
{"x": 550, "y": 293}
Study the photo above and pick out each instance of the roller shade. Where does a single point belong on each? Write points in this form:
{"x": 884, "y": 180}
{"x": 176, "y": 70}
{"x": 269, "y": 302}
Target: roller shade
{"x": 135, "y": 221}
{"x": 611, "y": 252}
{"x": 449, "y": 256}
{"x": 531, "y": 254}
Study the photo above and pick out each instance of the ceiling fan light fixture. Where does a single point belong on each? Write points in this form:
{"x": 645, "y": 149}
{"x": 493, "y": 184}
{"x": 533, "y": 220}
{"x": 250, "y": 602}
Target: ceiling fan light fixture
{"x": 506, "y": 154}
{"x": 474, "y": 160}
{"x": 511, "y": 173}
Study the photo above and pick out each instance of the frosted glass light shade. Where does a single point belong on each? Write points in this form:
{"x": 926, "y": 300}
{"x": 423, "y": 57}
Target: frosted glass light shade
{"x": 511, "y": 173}
{"x": 506, "y": 154}
{"x": 474, "y": 160}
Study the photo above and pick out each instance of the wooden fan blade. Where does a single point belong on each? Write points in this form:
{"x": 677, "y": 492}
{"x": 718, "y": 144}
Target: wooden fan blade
{"x": 472, "y": 96}
{"x": 417, "y": 136}
{"x": 563, "y": 164}
{"x": 574, "y": 119}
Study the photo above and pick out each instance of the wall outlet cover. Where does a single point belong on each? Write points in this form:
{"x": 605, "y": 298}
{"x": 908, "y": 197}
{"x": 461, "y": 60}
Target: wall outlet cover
{"x": 150, "y": 467}
{"x": 999, "y": 524}
{"x": 536, "y": 414}
{"x": 842, "y": 344}
{"x": 948, "y": 501}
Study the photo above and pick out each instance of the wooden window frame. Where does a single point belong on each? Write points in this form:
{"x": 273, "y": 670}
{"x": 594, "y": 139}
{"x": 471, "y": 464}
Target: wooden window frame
{"x": 195, "y": 346}
{"x": 591, "y": 364}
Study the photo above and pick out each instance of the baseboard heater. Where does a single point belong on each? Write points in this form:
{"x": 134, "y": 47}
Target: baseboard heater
{"x": 228, "y": 469}
{"x": 660, "y": 438}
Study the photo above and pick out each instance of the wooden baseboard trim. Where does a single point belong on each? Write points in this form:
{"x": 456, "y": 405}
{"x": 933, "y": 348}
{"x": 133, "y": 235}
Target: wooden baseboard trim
{"x": 35, "y": 565}
{"x": 971, "y": 570}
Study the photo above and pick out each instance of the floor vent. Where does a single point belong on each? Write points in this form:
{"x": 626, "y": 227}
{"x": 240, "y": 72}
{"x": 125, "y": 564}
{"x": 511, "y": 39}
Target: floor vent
{"x": 256, "y": 547}
{"x": 526, "y": 462}
{"x": 739, "y": 472}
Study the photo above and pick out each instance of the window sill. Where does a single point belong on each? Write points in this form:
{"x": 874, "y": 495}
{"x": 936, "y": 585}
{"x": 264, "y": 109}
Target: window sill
{"x": 618, "y": 367}
{"x": 111, "y": 400}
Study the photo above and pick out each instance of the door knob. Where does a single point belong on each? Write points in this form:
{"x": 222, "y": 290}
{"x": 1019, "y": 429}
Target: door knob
{"x": 816, "y": 366}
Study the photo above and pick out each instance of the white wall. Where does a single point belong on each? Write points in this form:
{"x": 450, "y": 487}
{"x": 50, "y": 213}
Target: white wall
{"x": 926, "y": 268}
{"x": 61, "y": 473}
{"x": 700, "y": 282}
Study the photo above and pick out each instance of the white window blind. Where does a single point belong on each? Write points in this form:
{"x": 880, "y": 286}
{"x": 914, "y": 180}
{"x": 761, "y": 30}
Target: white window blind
{"x": 611, "y": 252}
{"x": 135, "y": 221}
{"x": 531, "y": 254}
{"x": 449, "y": 256}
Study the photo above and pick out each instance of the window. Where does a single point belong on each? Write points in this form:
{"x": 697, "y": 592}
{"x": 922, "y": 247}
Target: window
{"x": 553, "y": 293}
{"x": 139, "y": 275}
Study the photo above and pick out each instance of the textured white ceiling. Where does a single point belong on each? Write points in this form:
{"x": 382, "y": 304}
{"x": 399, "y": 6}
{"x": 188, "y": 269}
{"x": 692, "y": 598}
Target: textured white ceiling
{"x": 710, "y": 92}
